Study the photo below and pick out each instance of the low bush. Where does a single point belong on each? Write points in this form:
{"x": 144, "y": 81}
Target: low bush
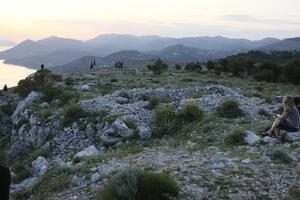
{"x": 230, "y": 109}
{"x": 121, "y": 186}
{"x": 165, "y": 121}
{"x": 235, "y": 138}
{"x": 263, "y": 112}
{"x": 55, "y": 180}
{"x": 196, "y": 95}
{"x": 21, "y": 173}
{"x": 155, "y": 101}
{"x": 50, "y": 93}
{"x": 280, "y": 157}
{"x": 72, "y": 114}
{"x": 7, "y": 109}
{"x": 190, "y": 112}
{"x": 69, "y": 81}
{"x": 154, "y": 186}
{"x": 134, "y": 184}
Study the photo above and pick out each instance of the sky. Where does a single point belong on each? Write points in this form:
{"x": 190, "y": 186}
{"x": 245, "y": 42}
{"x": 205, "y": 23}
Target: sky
{"x": 86, "y": 19}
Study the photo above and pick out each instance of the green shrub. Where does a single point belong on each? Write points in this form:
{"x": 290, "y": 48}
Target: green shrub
{"x": 193, "y": 67}
{"x": 155, "y": 101}
{"x": 134, "y": 184}
{"x": 113, "y": 80}
{"x": 235, "y": 138}
{"x": 294, "y": 193}
{"x": 196, "y": 95}
{"x": 263, "y": 112}
{"x": 190, "y": 112}
{"x": 229, "y": 109}
{"x": 158, "y": 67}
{"x": 67, "y": 96}
{"x": 154, "y": 186}
{"x": 69, "y": 81}
{"x": 50, "y": 93}
{"x": 25, "y": 86}
{"x": 7, "y": 109}
{"x": 177, "y": 66}
{"x": 280, "y": 157}
{"x": 73, "y": 114}
{"x": 55, "y": 180}
{"x": 164, "y": 119}
{"x": 121, "y": 186}
{"x": 21, "y": 173}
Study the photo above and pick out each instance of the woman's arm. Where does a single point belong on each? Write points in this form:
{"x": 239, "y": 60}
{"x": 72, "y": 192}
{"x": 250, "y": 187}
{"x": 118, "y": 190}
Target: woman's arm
{"x": 283, "y": 116}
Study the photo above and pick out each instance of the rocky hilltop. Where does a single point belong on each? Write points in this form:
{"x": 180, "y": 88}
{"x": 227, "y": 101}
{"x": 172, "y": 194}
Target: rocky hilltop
{"x": 68, "y": 136}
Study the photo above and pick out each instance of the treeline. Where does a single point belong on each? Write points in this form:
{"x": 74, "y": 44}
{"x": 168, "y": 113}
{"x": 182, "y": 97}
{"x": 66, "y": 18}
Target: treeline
{"x": 262, "y": 67}
{"x": 261, "y": 56}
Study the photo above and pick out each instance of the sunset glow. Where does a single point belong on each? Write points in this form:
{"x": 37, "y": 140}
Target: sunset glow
{"x": 36, "y": 19}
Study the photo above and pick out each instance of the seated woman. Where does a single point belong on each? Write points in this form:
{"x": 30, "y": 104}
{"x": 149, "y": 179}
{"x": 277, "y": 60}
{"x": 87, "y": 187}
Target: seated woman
{"x": 288, "y": 121}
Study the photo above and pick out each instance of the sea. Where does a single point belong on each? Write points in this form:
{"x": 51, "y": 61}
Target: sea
{"x": 12, "y": 74}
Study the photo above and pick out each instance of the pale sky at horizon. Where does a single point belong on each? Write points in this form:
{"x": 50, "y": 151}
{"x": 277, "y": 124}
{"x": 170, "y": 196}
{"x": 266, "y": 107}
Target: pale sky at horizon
{"x": 85, "y": 19}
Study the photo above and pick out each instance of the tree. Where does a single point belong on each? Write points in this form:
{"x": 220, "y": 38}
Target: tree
{"x": 158, "y": 67}
{"x": 292, "y": 71}
{"x": 210, "y": 65}
{"x": 193, "y": 67}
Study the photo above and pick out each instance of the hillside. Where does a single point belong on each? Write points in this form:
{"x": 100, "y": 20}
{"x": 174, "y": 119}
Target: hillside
{"x": 33, "y": 53}
{"x": 288, "y": 44}
{"x": 74, "y": 134}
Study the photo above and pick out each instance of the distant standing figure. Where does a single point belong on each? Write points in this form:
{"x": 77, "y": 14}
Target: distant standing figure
{"x": 5, "y": 88}
{"x": 4, "y": 182}
{"x": 42, "y": 66}
{"x": 121, "y": 65}
{"x": 92, "y": 66}
{"x": 94, "y": 63}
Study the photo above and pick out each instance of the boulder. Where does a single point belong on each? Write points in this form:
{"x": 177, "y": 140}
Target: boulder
{"x": 252, "y": 138}
{"x": 40, "y": 166}
{"x": 268, "y": 139}
{"x": 144, "y": 132}
{"x": 95, "y": 178}
{"x": 85, "y": 87}
{"x": 121, "y": 129}
{"x": 294, "y": 136}
{"x": 107, "y": 140}
{"x": 25, "y": 184}
{"x": 25, "y": 103}
{"x": 88, "y": 152}
{"x": 122, "y": 100}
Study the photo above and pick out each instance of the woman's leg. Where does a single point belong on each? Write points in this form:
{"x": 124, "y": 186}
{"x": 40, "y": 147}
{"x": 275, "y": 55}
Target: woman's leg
{"x": 275, "y": 124}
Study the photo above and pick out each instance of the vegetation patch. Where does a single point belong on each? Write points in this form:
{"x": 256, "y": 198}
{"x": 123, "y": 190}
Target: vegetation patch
{"x": 235, "y": 138}
{"x": 73, "y": 114}
{"x": 190, "y": 112}
{"x": 230, "y": 109}
{"x": 134, "y": 184}
{"x": 280, "y": 156}
{"x": 55, "y": 180}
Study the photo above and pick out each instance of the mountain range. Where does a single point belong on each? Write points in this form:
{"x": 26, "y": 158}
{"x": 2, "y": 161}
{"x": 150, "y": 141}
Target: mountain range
{"x": 63, "y": 52}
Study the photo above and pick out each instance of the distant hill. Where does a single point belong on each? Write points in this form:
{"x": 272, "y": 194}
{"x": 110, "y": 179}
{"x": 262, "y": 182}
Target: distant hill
{"x": 283, "y": 45}
{"x": 52, "y": 59}
{"x": 181, "y": 53}
{"x": 110, "y": 43}
{"x": 30, "y": 48}
{"x": 57, "y": 51}
{"x": 83, "y": 64}
{"x": 25, "y": 49}
{"x": 7, "y": 43}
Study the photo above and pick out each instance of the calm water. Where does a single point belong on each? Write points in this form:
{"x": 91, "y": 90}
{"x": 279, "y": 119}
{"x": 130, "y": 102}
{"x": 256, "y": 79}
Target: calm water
{"x": 11, "y": 74}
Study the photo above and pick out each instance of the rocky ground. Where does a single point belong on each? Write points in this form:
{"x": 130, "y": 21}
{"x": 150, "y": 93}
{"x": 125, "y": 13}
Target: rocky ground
{"x": 116, "y": 133}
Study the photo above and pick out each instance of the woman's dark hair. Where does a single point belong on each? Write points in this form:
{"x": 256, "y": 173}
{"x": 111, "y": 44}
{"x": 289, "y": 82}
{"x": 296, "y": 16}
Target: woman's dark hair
{"x": 297, "y": 101}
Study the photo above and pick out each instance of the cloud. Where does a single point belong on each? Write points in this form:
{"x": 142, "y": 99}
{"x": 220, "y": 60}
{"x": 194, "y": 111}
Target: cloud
{"x": 256, "y": 19}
